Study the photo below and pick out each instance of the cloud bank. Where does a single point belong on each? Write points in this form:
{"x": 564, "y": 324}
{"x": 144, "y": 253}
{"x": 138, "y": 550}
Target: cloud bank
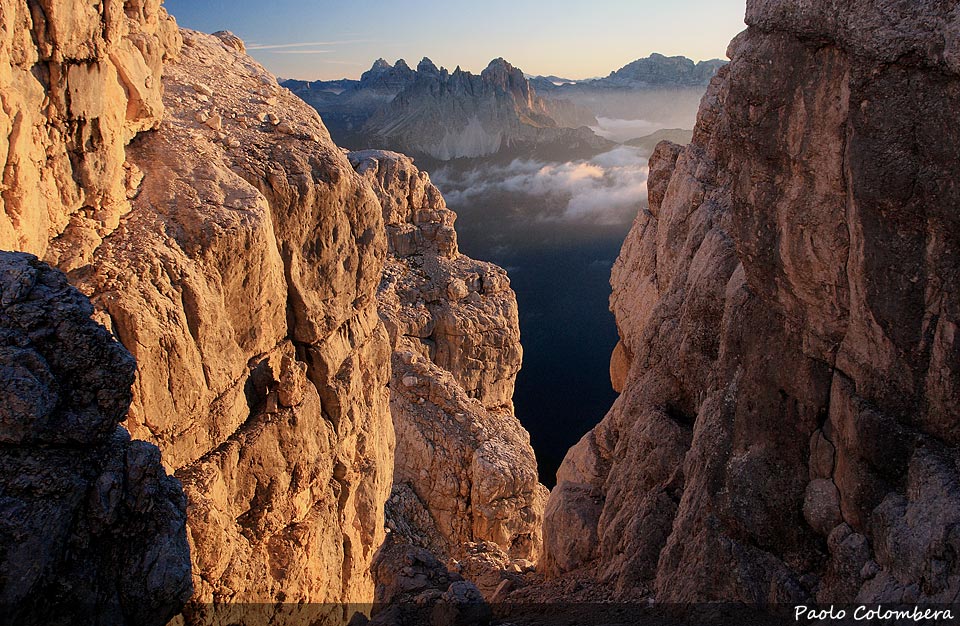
{"x": 624, "y": 130}
{"x": 608, "y": 189}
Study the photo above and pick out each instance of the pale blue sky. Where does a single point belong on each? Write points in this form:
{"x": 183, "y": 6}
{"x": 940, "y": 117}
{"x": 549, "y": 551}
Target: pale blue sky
{"x": 576, "y": 39}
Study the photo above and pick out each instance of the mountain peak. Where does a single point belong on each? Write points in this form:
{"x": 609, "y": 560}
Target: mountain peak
{"x": 427, "y": 66}
{"x": 500, "y": 63}
{"x": 383, "y": 75}
{"x": 379, "y": 68}
{"x": 505, "y": 76}
{"x": 659, "y": 69}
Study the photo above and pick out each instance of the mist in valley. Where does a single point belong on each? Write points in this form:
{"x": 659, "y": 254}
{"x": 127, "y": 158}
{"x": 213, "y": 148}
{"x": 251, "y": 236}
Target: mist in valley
{"x": 661, "y": 108}
{"x": 557, "y": 226}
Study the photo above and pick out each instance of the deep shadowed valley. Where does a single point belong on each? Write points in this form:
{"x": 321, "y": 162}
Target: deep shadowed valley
{"x": 556, "y": 229}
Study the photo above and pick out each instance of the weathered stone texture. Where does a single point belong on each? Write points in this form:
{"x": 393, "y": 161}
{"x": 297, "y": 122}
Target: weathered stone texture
{"x": 243, "y": 281}
{"x": 454, "y": 326}
{"x": 78, "y": 80}
{"x": 235, "y": 253}
{"x": 92, "y": 529}
{"x": 789, "y": 308}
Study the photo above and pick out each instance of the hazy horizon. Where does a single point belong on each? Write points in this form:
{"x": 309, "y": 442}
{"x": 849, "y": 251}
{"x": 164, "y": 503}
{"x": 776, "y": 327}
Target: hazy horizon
{"x": 325, "y": 41}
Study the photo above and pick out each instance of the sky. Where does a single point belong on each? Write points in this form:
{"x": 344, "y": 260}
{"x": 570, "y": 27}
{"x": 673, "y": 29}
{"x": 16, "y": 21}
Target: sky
{"x": 325, "y": 40}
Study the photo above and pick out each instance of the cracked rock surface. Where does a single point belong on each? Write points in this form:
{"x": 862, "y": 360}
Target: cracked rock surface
{"x": 788, "y": 314}
{"x": 465, "y": 471}
{"x": 92, "y": 528}
{"x": 243, "y": 281}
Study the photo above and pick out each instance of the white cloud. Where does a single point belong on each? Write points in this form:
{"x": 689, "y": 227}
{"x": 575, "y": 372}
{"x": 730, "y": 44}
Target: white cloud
{"x": 607, "y": 189}
{"x": 624, "y": 130}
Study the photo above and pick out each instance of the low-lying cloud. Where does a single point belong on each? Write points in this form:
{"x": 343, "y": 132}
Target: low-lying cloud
{"x": 607, "y": 189}
{"x": 624, "y": 130}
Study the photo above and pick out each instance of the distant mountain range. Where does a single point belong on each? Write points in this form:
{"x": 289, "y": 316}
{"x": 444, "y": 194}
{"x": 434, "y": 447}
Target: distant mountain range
{"x": 661, "y": 89}
{"x": 429, "y": 111}
{"x": 680, "y": 136}
{"x": 654, "y": 72}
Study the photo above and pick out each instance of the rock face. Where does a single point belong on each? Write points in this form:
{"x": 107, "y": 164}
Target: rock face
{"x": 788, "y": 311}
{"x": 236, "y": 254}
{"x": 92, "y": 528}
{"x": 415, "y": 589}
{"x": 242, "y": 272}
{"x": 243, "y": 281}
{"x": 454, "y": 328}
{"x": 78, "y": 81}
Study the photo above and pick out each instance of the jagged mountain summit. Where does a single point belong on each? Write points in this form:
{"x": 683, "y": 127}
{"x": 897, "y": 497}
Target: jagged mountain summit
{"x": 386, "y": 77}
{"x": 446, "y": 115}
{"x": 460, "y": 114}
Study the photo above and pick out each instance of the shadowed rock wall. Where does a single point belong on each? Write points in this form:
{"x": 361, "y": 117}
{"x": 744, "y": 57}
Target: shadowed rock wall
{"x": 788, "y": 308}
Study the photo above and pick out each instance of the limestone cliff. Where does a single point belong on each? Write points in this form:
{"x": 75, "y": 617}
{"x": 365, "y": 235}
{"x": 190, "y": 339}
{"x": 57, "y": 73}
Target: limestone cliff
{"x": 78, "y": 80}
{"x": 237, "y": 254}
{"x": 243, "y": 281}
{"x": 464, "y": 457}
{"x": 92, "y": 529}
{"x": 788, "y": 307}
